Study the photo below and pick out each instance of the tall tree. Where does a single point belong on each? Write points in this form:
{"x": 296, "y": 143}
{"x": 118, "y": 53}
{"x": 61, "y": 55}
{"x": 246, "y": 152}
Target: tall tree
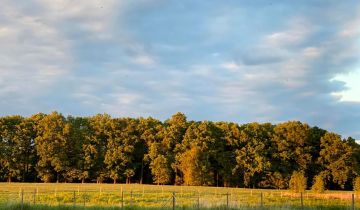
{"x": 149, "y": 129}
{"x": 314, "y": 167}
{"x": 100, "y": 148}
{"x": 51, "y": 143}
{"x": 172, "y": 135}
{"x": 11, "y": 147}
{"x": 26, "y": 153}
{"x": 293, "y": 147}
{"x": 95, "y": 146}
{"x": 203, "y": 143}
{"x": 253, "y": 156}
{"x": 160, "y": 170}
{"x": 120, "y": 149}
{"x": 79, "y": 134}
{"x": 335, "y": 159}
{"x": 226, "y": 173}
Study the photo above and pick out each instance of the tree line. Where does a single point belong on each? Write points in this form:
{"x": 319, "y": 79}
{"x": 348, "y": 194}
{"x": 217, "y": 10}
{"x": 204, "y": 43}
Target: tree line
{"x": 56, "y": 148}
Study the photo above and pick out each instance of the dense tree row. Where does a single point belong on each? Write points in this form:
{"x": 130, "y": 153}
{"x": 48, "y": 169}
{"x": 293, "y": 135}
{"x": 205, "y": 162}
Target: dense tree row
{"x": 51, "y": 147}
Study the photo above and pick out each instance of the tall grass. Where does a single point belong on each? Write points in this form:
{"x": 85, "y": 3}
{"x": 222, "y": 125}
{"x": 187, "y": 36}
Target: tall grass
{"x": 110, "y": 196}
{"x": 47, "y": 207}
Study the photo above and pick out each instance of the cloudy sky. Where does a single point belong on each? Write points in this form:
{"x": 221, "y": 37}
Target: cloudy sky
{"x": 232, "y": 60}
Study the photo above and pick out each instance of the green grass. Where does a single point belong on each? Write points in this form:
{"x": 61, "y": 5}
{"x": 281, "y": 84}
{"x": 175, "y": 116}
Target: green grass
{"x": 135, "y": 196}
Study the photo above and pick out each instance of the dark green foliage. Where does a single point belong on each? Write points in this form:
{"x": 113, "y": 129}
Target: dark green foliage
{"x": 121, "y": 146}
{"x": 145, "y": 150}
{"x": 200, "y": 153}
{"x": 17, "y": 155}
{"x": 253, "y": 152}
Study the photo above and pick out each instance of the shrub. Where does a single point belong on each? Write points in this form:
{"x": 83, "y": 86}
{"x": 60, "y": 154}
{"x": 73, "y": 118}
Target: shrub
{"x": 357, "y": 184}
{"x": 297, "y": 182}
{"x": 319, "y": 184}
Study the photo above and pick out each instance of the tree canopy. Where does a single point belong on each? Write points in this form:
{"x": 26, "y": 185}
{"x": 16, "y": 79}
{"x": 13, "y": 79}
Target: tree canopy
{"x": 56, "y": 148}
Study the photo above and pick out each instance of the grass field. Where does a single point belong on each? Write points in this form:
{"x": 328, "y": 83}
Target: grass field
{"x": 135, "y": 196}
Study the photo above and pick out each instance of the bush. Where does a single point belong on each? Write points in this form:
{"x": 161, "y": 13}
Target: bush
{"x": 357, "y": 184}
{"x": 319, "y": 184}
{"x": 297, "y": 182}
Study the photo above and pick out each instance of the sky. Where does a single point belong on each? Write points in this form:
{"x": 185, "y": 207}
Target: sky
{"x": 225, "y": 60}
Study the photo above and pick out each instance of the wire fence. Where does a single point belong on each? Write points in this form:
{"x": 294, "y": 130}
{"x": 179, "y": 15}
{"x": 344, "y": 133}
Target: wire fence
{"x": 180, "y": 199}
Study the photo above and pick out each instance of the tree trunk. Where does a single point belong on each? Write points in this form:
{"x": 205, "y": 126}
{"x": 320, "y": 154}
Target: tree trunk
{"x": 142, "y": 171}
{"x": 23, "y": 174}
{"x": 9, "y": 179}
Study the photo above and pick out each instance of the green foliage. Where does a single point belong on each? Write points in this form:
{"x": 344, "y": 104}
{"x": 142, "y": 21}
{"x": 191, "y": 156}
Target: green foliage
{"x": 145, "y": 150}
{"x": 252, "y": 157}
{"x": 17, "y": 147}
{"x": 202, "y": 145}
{"x": 95, "y": 146}
{"x": 293, "y": 149}
{"x": 336, "y": 158}
{"x": 318, "y": 184}
{"x": 120, "y": 148}
{"x": 297, "y": 182}
{"x": 160, "y": 170}
{"x": 51, "y": 142}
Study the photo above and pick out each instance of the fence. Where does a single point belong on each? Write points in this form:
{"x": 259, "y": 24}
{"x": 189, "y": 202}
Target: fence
{"x": 232, "y": 199}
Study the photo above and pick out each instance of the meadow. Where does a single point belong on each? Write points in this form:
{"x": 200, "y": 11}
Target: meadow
{"x": 135, "y": 196}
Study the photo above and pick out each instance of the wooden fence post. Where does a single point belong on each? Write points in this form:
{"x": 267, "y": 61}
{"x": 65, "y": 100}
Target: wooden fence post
{"x": 74, "y": 198}
{"x": 227, "y": 200}
{"x": 198, "y": 202}
{"x": 34, "y": 197}
{"x": 302, "y": 201}
{"x": 22, "y": 199}
{"x": 122, "y": 199}
{"x": 131, "y": 198}
{"x": 173, "y": 201}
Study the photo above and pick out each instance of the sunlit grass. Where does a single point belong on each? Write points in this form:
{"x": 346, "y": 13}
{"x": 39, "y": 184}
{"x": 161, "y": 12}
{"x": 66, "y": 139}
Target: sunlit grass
{"x": 105, "y": 196}
{"x": 46, "y": 207}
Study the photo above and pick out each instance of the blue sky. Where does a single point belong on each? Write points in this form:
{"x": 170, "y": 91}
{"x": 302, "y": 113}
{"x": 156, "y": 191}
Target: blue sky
{"x": 241, "y": 61}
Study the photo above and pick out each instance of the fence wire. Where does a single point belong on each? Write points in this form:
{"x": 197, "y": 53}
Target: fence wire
{"x": 233, "y": 199}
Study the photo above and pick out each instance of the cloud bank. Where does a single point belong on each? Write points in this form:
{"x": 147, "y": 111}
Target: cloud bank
{"x": 236, "y": 61}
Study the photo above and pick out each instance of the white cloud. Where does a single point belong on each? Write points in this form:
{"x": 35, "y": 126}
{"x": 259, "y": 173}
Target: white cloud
{"x": 203, "y": 70}
{"x": 311, "y": 52}
{"x": 33, "y": 54}
{"x": 232, "y": 66}
{"x": 352, "y": 82}
{"x": 299, "y": 29}
{"x": 351, "y": 29}
{"x": 230, "y": 63}
{"x": 144, "y": 60}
